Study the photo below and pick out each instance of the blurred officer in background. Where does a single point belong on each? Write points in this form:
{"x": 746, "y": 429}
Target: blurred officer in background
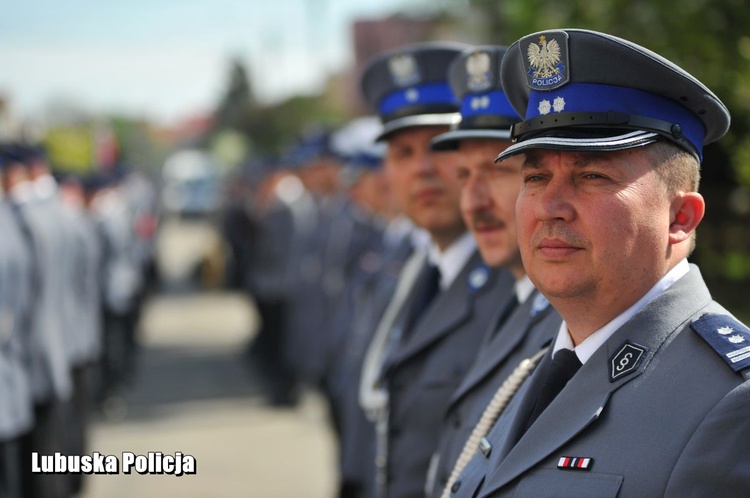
{"x": 316, "y": 168}
{"x": 16, "y": 308}
{"x": 121, "y": 283}
{"x": 421, "y": 352}
{"x": 50, "y": 365}
{"x": 78, "y": 257}
{"x": 239, "y": 222}
{"x": 369, "y": 287}
{"x": 488, "y": 203}
{"x": 644, "y": 391}
{"x": 85, "y": 310}
{"x": 277, "y": 206}
{"x": 353, "y": 229}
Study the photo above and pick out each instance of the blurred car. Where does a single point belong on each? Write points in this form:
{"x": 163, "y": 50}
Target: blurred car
{"x": 191, "y": 184}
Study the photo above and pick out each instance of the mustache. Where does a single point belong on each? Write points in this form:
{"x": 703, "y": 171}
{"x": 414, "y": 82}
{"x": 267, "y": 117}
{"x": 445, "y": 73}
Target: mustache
{"x": 485, "y": 219}
{"x": 559, "y": 232}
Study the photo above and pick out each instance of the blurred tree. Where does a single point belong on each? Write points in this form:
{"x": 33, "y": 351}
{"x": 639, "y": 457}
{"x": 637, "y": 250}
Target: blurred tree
{"x": 268, "y": 128}
{"x": 235, "y": 110}
{"x": 138, "y": 145}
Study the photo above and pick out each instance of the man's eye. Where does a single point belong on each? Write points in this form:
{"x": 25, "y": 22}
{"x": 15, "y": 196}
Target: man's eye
{"x": 592, "y": 176}
{"x": 400, "y": 153}
{"x": 532, "y": 178}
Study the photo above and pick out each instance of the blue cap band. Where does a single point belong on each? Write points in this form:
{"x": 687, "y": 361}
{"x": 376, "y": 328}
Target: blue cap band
{"x": 591, "y": 97}
{"x": 429, "y": 93}
{"x": 493, "y": 103}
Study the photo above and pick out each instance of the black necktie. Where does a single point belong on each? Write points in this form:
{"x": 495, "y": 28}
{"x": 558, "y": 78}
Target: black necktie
{"x": 429, "y": 289}
{"x": 563, "y": 366}
{"x": 510, "y": 306}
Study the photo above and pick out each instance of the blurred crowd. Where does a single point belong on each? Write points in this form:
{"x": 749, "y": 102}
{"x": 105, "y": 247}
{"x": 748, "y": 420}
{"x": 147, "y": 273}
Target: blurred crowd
{"x": 318, "y": 242}
{"x": 76, "y": 262}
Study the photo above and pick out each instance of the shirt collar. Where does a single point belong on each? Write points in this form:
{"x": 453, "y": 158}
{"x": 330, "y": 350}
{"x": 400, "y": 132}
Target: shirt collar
{"x": 420, "y": 239}
{"x": 45, "y": 187}
{"x": 586, "y": 349}
{"x": 22, "y": 193}
{"x": 524, "y": 288}
{"x": 451, "y": 261}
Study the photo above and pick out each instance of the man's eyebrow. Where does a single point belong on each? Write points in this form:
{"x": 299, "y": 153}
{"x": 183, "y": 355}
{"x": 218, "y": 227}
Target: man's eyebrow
{"x": 532, "y": 161}
{"x": 589, "y": 158}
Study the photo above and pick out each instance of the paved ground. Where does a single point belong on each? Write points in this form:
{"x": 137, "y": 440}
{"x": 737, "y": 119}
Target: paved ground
{"x": 193, "y": 394}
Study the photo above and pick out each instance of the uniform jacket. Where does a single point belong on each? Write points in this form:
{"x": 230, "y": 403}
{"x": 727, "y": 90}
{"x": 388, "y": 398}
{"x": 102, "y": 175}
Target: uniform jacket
{"x": 673, "y": 422}
{"x": 429, "y": 363}
{"x": 370, "y": 292}
{"x": 49, "y": 364}
{"x": 531, "y": 325}
{"x": 16, "y": 401}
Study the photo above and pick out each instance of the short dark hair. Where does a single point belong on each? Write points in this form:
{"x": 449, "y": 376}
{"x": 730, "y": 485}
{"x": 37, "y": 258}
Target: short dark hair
{"x": 677, "y": 168}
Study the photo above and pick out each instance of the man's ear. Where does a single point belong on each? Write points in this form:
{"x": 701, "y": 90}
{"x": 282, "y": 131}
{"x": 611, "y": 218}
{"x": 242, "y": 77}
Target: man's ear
{"x": 686, "y": 213}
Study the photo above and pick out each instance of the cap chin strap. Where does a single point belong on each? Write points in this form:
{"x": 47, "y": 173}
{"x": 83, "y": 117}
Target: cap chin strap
{"x": 637, "y": 138}
{"x": 580, "y": 121}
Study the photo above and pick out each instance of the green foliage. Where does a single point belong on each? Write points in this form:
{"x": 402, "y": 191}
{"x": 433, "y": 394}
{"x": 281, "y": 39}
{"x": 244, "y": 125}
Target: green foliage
{"x": 267, "y": 128}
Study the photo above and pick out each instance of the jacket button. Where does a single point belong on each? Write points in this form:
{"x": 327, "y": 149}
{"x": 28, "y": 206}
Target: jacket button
{"x": 456, "y": 486}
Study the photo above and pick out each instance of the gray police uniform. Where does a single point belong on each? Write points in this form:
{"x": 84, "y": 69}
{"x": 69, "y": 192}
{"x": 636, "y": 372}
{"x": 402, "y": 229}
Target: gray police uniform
{"x": 531, "y": 326}
{"x": 662, "y": 407}
{"x": 16, "y": 401}
{"x": 50, "y": 367}
{"x": 429, "y": 362}
{"x": 370, "y": 291}
{"x": 307, "y": 302}
{"x": 672, "y": 422}
{"x": 350, "y": 234}
{"x": 270, "y": 286}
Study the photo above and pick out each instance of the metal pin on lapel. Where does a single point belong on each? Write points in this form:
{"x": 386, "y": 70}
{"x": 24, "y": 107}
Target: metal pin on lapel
{"x": 485, "y": 447}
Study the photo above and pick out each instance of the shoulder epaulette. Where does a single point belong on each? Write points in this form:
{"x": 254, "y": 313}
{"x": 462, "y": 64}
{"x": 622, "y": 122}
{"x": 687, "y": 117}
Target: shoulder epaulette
{"x": 728, "y": 337}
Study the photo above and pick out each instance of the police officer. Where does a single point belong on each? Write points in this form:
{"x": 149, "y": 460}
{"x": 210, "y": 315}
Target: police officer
{"x": 121, "y": 284}
{"x": 313, "y": 215}
{"x": 434, "y": 335}
{"x": 657, "y": 402}
{"x": 84, "y": 311}
{"x": 278, "y": 208}
{"x": 16, "y": 400}
{"x": 488, "y": 204}
{"x": 369, "y": 287}
{"x": 49, "y": 367}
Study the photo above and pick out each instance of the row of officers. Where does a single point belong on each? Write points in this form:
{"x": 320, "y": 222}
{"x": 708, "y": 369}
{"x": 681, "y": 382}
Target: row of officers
{"x": 74, "y": 255}
{"x": 522, "y": 318}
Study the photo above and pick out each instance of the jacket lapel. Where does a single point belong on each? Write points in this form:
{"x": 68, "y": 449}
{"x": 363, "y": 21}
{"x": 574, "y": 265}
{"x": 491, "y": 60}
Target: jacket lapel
{"x": 587, "y": 394}
{"x": 499, "y": 345}
{"x": 447, "y": 311}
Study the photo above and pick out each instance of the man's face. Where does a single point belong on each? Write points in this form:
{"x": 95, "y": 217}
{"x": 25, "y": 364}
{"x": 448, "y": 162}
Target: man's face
{"x": 424, "y": 182}
{"x": 488, "y": 199}
{"x": 372, "y": 191}
{"x": 593, "y": 225}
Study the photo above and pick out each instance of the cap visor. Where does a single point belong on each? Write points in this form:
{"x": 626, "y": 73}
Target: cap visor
{"x": 445, "y": 119}
{"x": 451, "y": 139}
{"x": 628, "y": 140}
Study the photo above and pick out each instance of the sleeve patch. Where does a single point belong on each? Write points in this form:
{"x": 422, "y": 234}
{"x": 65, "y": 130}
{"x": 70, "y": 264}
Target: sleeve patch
{"x": 728, "y": 337}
